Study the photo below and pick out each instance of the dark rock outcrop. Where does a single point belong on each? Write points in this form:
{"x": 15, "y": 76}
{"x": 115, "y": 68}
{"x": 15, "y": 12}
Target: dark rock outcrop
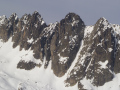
{"x": 26, "y": 65}
{"x": 66, "y": 42}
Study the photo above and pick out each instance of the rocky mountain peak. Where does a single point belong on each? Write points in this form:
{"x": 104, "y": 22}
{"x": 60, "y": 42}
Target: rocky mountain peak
{"x": 36, "y": 13}
{"x": 102, "y": 20}
{"x": 72, "y": 16}
{"x": 79, "y": 51}
{"x": 73, "y": 19}
{"x": 37, "y": 16}
{"x": 13, "y": 16}
{"x": 103, "y": 24}
{"x": 25, "y": 18}
{"x": 3, "y": 20}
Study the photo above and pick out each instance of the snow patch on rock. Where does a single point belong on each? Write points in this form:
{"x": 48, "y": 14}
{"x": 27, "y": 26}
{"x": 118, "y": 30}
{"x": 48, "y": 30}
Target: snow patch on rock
{"x": 116, "y": 29}
{"x": 62, "y": 59}
{"x": 30, "y": 40}
{"x": 2, "y": 19}
{"x": 50, "y": 29}
{"x": 25, "y": 21}
{"x": 75, "y": 22}
{"x": 73, "y": 40}
{"x": 103, "y": 64}
{"x": 88, "y": 31}
{"x": 110, "y": 49}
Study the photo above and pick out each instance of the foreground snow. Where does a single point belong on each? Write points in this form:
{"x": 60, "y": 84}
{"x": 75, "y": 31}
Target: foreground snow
{"x": 12, "y": 78}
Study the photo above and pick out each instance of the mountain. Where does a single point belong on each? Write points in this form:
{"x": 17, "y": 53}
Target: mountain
{"x": 65, "y": 55}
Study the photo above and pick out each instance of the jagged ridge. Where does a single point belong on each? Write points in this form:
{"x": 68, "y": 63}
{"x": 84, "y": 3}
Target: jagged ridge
{"x": 59, "y": 42}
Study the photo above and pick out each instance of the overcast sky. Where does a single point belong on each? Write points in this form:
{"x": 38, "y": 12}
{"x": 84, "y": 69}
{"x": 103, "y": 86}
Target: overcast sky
{"x": 55, "y": 10}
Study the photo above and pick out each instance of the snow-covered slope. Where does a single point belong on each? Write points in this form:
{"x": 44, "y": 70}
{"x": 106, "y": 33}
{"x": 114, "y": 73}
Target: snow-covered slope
{"x": 12, "y": 78}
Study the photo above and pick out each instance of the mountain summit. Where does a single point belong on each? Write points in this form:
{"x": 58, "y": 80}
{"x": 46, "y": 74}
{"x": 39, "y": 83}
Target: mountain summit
{"x": 86, "y": 56}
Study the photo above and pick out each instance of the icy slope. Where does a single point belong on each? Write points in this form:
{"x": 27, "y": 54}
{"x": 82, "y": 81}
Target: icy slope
{"x": 12, "y": 78}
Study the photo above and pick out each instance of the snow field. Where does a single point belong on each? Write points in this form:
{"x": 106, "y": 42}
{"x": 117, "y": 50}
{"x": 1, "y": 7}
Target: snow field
{"x": 12, "y": 78}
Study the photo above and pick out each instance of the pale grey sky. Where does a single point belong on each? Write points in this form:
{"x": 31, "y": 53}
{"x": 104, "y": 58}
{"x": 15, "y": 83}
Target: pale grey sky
{"x": 55, "y": 10}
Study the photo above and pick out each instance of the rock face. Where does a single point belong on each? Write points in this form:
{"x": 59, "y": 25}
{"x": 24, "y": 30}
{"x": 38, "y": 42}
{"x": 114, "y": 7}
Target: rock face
{"x": 97, "y": 56}
{"x": 86, "y": 52}
{"x": 66, "y": 42}
{"x": 7, "y": 26}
